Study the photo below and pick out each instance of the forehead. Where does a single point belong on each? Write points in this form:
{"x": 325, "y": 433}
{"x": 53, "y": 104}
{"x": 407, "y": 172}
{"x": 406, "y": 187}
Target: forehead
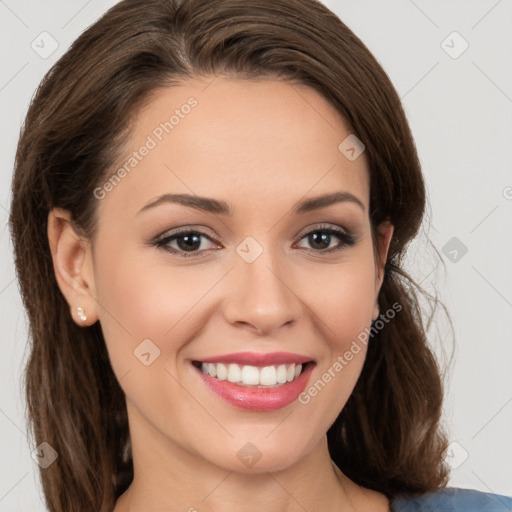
{"x": 232, "y": 139}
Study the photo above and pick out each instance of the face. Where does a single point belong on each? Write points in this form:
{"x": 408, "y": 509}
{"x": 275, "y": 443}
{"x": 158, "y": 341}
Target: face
{"x": 176, "y": 284}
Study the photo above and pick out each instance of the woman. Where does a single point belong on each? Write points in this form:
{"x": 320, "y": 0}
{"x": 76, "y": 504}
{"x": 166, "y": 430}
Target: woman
{"x": 216, "y": 197}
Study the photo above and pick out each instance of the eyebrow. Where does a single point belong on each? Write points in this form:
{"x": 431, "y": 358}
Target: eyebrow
{"x": 211, "y": 205}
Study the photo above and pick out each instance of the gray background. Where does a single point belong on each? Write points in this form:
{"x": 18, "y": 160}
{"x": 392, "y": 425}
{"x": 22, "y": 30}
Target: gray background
{"x": 459, "y": 106}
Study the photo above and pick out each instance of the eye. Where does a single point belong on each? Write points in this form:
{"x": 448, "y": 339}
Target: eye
{"x": 321, "y": 237}
{"x": 188, "y": 243}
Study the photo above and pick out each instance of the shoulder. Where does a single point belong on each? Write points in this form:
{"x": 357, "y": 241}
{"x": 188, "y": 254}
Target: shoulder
{"x": 453, "y": 499}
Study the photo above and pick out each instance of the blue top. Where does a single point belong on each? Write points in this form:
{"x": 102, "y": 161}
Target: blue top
{"x": 454, "y": 499}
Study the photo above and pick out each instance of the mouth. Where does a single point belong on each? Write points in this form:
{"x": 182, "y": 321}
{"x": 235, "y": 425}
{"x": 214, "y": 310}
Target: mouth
{"x": 251, "y": 376}
{"x": 259, "y": 386}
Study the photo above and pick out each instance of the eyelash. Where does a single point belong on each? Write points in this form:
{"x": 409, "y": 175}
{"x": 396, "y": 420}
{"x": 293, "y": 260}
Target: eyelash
{"x": 347, "y": 240}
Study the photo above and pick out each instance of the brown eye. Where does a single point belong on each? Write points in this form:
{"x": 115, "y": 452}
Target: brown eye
{"x": 321, "y": 238}
{"x": 188, "y": 243}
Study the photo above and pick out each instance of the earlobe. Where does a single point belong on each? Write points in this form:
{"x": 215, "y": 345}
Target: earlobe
{"x": 71, "y": 255}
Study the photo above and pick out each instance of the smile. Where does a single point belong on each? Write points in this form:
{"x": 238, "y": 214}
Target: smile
{"x": 255, "y": 388}
{"x": 253, "y": 376}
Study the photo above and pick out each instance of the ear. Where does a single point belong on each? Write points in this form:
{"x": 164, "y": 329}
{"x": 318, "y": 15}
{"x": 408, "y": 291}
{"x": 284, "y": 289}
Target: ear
{"x": 72, "y": 264}
{"x": 384, "y": 235}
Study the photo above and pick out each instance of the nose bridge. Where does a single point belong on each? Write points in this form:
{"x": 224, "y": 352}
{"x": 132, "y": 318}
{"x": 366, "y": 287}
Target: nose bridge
{"x": 260, "y": 293}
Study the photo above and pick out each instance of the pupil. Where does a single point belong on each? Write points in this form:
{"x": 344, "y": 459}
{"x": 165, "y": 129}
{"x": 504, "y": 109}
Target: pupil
{"x": 324, "y": 239}
{"x": 189, "y": 241}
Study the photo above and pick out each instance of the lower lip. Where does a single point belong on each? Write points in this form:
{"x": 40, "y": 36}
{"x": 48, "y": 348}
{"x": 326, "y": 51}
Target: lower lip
{"x": 258, "y": 399}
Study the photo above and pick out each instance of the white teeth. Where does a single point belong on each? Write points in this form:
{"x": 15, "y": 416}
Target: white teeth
{"x": 268, "y": 376}
{"x": 248, "y": 375}
{"x": 281, "y": 374}
{"x": 222, "y": 371}
{"x": 234, "y": 373}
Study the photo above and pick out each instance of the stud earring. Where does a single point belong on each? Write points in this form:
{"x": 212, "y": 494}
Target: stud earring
{"x": 81, "y": 314}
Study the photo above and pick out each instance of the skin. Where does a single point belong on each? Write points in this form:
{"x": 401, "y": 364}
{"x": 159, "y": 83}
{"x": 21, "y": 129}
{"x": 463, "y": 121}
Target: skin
{"x": 261, "y": 146}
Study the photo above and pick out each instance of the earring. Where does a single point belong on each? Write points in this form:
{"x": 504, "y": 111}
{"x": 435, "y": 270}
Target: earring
{"x": 81, "y": 313}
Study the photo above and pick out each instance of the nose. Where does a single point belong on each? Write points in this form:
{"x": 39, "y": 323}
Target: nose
{"x": 260, "y": 296}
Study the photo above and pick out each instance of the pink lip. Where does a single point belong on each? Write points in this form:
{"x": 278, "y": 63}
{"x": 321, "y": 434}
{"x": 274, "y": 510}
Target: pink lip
{"x": 254, "y": 398}
{"x": 256, "y": 359}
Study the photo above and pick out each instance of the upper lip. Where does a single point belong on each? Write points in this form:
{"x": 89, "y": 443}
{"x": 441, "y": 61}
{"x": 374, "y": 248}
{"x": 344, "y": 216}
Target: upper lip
{"x": 258, "y": 359}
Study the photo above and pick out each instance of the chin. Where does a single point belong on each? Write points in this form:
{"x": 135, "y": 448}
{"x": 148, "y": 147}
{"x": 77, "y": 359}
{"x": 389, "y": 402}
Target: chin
{"x": 246, "y": 457}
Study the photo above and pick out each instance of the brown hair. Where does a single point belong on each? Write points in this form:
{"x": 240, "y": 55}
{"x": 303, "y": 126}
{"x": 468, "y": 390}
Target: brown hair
{"x": 388, "y": 437}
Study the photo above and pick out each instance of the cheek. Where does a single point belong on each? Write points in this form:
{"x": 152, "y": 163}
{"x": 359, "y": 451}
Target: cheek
{"x": 142, "y": 301}
{"x": 344, "y": 316}
{"x": 345, "y": 298}
{"x": 146, "y": 321}
{"x": 349, "y": 306}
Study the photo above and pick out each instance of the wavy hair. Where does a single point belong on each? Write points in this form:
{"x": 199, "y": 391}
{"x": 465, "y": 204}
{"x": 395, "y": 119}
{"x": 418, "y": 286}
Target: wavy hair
{"x": 389, "y": 436}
